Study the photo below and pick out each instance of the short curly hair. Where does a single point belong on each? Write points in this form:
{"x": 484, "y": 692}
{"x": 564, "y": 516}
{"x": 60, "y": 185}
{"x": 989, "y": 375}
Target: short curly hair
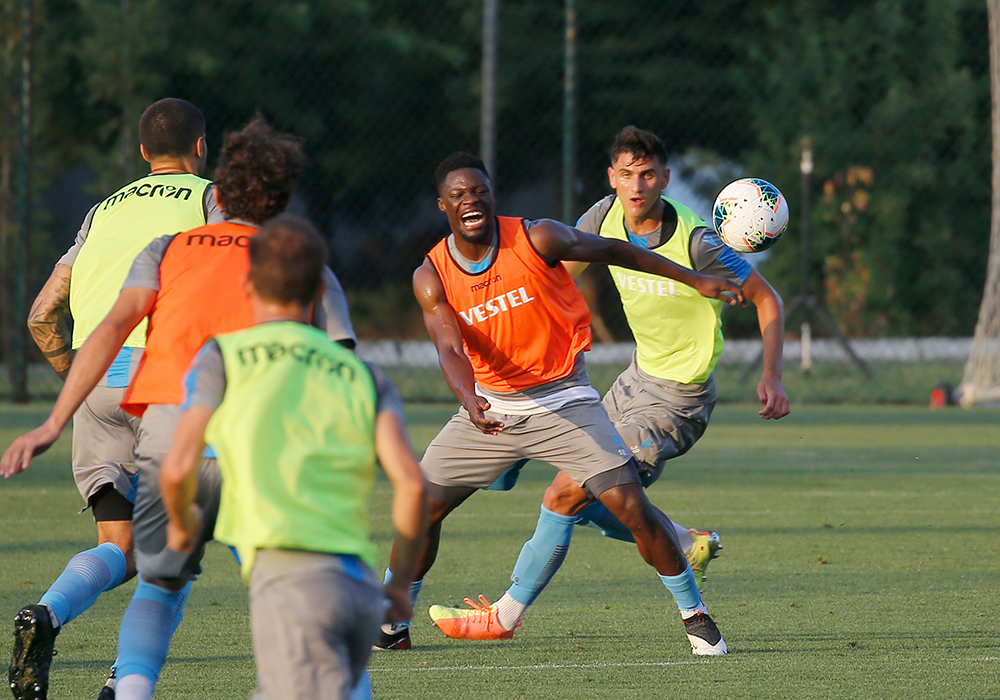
{"x": 257, "y": 170}
{"x": 458, "y": 161}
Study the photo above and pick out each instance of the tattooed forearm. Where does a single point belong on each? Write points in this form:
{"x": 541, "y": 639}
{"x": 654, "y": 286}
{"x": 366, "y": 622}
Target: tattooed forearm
{"x": 48, "y": 320}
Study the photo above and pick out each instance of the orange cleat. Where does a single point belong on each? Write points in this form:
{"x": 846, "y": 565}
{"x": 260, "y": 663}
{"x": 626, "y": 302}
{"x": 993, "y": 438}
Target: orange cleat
{"x": 478, "y": 623}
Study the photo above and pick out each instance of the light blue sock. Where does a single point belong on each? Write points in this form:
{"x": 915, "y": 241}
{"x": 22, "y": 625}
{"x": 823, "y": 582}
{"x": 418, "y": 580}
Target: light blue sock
{"x": 541, "y": 556}
{"x": 597, "y": 516}
{"x": 363, "y": 689}
{"x": 414, "y": 594}
{"x": 150, "y": 621}
{"x": 684, "y": 589}
{"x": 85, "y": 577}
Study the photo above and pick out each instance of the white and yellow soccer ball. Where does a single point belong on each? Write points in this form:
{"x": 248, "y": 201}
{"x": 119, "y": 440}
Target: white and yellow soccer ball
{"x": 750, "y": 215}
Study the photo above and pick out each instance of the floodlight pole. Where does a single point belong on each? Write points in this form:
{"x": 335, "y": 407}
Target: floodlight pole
{"x": 488, "y": 102}
{"x": 18, "y": 368}
{"x": 569, "y": 116}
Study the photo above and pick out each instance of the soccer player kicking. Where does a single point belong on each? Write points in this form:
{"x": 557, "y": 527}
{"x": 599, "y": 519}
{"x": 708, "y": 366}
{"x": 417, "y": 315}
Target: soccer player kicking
{"x": 171, "y": 198}
{"x": 190, "y": 287}
{"x": 662, "y": 402}
{"x": 510, "y": 328}
{"x": 297, "y": 422}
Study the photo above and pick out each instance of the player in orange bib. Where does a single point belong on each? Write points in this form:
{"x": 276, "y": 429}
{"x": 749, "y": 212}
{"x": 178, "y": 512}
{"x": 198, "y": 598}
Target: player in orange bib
{"x": 510, "y": 328}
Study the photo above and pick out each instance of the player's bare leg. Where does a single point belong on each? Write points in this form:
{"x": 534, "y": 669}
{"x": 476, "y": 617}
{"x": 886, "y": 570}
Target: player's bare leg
{"x": 396, "y": 636}
{"x": 653, "y": 531}
{"x": 120, "y": 534}
{"x": 654, "y": 534}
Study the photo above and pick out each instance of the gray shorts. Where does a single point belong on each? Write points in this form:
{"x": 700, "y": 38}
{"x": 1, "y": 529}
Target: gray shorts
{"x": 104, "y": 440}
{"x": 149, "y": 519}
{"x": 314, "y": 619}
{"x": 658, "y": 419}
{"x": 578, "y": 439}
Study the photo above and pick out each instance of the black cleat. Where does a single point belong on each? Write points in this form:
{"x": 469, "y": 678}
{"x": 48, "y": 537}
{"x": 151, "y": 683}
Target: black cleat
{"x": 704, "y": 635}
{"x": 399, "y": 640}
{"x": 34, "y": 641}
{"x": 108, "y": 691}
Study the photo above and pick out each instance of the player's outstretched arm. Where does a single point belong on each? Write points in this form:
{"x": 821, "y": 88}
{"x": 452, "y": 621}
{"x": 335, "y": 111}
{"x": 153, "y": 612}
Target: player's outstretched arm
{"x": 557, "y": 242}
{"x": 409, "y": 510}
{"x": 771, "y": 317}
{"x": 89, "y": 365}
{"x": 442, "y": 325}
{"x": 48, "y": 320}
{"x": 179, "y": 478}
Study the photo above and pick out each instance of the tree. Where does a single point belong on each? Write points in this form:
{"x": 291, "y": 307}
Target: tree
{"x": 981, "y": 383}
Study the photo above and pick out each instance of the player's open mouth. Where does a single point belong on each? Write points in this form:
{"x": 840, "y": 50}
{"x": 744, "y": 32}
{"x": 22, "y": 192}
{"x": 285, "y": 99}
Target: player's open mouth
{"x": 473, "y": 219}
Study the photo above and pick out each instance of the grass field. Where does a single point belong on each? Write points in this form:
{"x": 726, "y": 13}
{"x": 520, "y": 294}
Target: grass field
{"x": 861, "y": 561}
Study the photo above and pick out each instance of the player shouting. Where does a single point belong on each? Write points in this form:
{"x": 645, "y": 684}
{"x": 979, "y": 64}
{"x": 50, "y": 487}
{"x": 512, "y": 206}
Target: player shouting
{"x": 510, "y": 329}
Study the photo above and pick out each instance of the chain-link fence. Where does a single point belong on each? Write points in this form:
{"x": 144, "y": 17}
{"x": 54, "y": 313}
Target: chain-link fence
{"x": 891, "y": 96}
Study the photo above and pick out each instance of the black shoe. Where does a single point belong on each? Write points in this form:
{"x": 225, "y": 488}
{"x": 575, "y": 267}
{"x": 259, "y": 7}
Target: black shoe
{"x": 704, "y": 635}
{"x": 34, "y": 641}
{"x": 108, "y": 691}
{"x": 398, "y": 640}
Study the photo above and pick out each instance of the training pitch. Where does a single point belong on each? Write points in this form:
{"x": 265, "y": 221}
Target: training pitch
{"x": 860, "y": 561}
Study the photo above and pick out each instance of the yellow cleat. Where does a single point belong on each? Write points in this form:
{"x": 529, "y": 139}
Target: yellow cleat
{"x": 705, "y": 548}
{"x": 479, "y": 622}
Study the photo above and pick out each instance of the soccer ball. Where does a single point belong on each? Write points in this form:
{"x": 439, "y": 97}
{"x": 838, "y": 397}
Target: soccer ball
{"x": 750, "y": 215}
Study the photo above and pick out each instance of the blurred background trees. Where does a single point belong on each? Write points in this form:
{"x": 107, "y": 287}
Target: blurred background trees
{"x": 894, "y": 95}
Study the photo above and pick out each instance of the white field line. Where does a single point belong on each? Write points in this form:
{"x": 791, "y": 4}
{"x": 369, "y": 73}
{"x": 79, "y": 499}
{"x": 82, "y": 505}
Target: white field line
{"x": 546, "y": 667}
{"x": 534, "y": 667}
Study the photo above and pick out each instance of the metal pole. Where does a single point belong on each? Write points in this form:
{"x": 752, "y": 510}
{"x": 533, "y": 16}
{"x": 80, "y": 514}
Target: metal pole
{"x": 18, "y": 370}
{"x": 806, "y": 167}
{"x": 569, "y": 116}
{"x": 129, "y": 146}
{"x": 488, "y": 109}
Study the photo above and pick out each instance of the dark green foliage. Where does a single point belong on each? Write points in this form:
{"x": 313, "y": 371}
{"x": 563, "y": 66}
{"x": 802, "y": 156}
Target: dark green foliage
{"x": 382, "y": 89}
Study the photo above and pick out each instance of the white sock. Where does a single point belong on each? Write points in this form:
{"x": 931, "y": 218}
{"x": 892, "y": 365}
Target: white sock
{"x": 509, "y": 611}
{"x": 134, "y": 686}
{"x": 685, "y": 614}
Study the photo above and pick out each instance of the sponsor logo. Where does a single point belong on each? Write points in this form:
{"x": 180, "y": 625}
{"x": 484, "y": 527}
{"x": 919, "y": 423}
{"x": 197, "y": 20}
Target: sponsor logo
{"x": 658, "y": 286}
{"x": 210, "y": 240}
{"x": 300, "y": 352}
{"x": 148, "y": 190}
{"x": 498, "y": 304}
{"x": 485, "y": 283}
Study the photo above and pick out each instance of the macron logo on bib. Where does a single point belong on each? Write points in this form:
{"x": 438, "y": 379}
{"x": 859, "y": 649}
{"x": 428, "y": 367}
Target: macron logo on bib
{"x": 498, "y": 304}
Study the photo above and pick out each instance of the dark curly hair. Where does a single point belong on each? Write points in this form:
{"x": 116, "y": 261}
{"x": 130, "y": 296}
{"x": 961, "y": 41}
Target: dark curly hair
{"x": 256, "y": 171}
{"x": 639, "y": 144}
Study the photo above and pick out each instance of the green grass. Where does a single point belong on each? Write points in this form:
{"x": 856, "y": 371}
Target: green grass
{"x": 893, "y": 382}
{"x": 860, "y": 561}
